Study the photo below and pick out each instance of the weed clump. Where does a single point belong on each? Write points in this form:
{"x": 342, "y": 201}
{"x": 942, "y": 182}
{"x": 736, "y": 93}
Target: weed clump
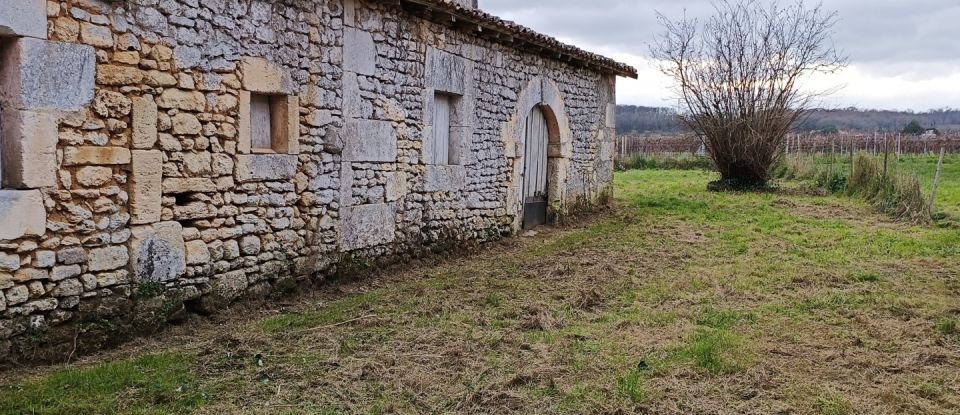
{"x": 895, "y": 194}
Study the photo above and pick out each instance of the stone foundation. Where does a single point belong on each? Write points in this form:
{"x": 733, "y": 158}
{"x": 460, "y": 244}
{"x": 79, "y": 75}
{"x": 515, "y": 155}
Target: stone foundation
{"x": 174, "y": 156}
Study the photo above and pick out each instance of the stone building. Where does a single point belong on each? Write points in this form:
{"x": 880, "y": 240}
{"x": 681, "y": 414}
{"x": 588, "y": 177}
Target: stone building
{"x": 168, "y": 155}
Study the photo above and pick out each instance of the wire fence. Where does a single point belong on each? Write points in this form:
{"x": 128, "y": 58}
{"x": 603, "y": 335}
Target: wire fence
{"x": 878, "y": 143}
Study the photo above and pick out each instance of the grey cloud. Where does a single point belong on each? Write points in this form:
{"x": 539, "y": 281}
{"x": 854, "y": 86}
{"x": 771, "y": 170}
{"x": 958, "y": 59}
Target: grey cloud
{"x": 876, "y": 34}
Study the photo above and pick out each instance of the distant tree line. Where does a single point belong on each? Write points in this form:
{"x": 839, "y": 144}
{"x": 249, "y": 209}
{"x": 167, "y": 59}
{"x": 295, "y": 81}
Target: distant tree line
{"x": 633, "y": 119}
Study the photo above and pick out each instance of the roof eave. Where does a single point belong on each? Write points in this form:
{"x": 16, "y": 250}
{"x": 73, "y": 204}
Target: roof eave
{"x": 517, "y": 36}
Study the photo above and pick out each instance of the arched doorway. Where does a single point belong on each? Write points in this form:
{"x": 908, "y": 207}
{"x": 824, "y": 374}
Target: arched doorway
{"x": 536, "y": 144}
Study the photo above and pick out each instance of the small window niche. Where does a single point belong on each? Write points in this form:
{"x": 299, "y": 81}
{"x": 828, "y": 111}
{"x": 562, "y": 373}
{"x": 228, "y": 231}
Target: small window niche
{"x": 269, "y": 113}
{"x": 269, "y": 124}
{"x": 446, "y": 139}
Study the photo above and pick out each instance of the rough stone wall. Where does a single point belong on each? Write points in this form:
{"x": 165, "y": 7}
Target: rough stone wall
{"x": 154, "y": 202}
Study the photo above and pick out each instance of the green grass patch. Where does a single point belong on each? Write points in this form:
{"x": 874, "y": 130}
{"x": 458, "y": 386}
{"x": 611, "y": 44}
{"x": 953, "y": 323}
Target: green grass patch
{"x": 723, "y": 319}
{"x": 150, "y": 384}
{"x": 633, "y": 386}
{"x": 714, "y": 350}
{"x": 336, "y": 312}
{"x": 833, "y": 405}
{"x": 948, "y": 326}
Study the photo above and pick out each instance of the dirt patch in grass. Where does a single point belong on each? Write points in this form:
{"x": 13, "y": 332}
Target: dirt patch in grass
{"x": 678, "y": 301}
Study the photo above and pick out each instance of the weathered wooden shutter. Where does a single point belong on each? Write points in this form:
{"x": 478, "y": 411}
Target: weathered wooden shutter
{"x": 535, "y": 169}
{"x": 260, "y": 125}
{"x": 440, "y": 147}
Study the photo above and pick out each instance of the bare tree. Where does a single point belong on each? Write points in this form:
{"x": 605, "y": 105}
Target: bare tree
{"x": 738, "y": 77}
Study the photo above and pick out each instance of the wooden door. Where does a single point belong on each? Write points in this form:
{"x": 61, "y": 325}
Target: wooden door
{"x": 535, "y": 170}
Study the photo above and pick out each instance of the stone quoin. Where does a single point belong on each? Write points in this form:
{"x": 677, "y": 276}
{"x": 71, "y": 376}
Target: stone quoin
{"x": 173, "y": 156}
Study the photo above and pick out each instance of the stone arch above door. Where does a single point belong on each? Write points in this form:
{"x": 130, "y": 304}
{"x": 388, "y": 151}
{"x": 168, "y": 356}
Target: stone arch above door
{"x": 546, "y": 95}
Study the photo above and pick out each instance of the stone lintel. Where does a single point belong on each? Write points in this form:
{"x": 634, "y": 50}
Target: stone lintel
{"x": 446, "y": 72}
{"x": 37, "y": 74}
{"x": 265, "y": 167}
{"x": 23, "y": 18}
{"x": 176, "y": 185}
{"x": 95, "y": 156}
{"x": 263, "y": 76}
{"x": 439, "y": 178}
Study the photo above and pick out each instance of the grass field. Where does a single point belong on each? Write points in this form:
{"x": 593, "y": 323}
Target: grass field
{"x": 676, "y": 301}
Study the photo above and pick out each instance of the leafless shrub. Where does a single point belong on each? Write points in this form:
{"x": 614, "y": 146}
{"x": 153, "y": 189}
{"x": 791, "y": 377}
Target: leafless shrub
{"x": 738, "y": 76}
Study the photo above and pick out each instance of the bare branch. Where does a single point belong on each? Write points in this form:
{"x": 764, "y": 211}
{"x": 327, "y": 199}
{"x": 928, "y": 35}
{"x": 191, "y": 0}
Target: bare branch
{"x": 738, "y": 73}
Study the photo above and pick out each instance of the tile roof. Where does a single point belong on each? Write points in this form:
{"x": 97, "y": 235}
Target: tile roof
{"x": 515, "y": 35}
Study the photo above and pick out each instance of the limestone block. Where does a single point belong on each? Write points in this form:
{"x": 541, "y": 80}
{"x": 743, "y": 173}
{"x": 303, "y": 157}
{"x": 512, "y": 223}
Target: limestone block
{"x": 145, "y": 115}
{"x": 30, "y": 274}
{"x": 447, "y": 72}
{"x": 38, "y": 74}
{"x": 263, "y": 76}
{"x": 146, "y": 187}
{"x": 70, "y": 256}
{"x": 65, "y": 271}
{"x": 9, "y": 262}
{"x": 369, "y": 140}
{"x": 221, "y": 164}
{"x": 230, "y": 286}
{"x": 396, "y": 187}
{"x": 265, "y": 167}
{"x": 45, "y": 259}
{"x": 90, "y": 155}
{"x": 68, "y": 288}
{"x": 94, "y": 176}
{"x": 250, "y": 245}
{"x": 157, "y": 252}
{"x": 186, "y": 57}
{"x": 182, "y": 100}
{"x": 99, "y": 36}
{"x": 367, "y": 225}
{"x": 18, "y": 295}
{"x": 189, "y": 185}
{"x": 29, "y": 149}
{"x": 197, "y": 253}
{"x": 197, "y": 164}
{"x": 107, "y": 259}
{"x": 186, "y": 124}
{"x": 444, "y": 178}
{"x": 359, "y": 52}
{"x": 23, "y": 18}
{"x": 118, "y": 75}
{"x": 21, "y": 213}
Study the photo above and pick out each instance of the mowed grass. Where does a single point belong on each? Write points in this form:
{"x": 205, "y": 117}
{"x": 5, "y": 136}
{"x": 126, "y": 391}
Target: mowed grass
{"x": 676, "y": 301}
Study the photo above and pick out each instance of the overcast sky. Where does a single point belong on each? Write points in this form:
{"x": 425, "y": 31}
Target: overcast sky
{"x": 904, "y": 54}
